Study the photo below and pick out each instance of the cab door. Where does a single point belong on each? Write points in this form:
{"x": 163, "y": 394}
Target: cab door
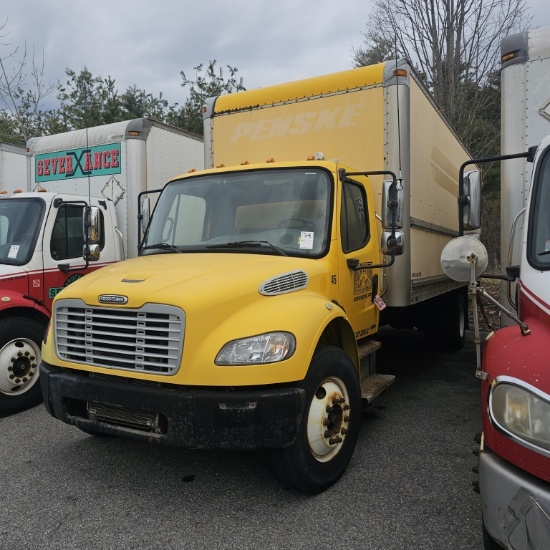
{"x": 358, "y": 246}
{"x": 62, "y": 249}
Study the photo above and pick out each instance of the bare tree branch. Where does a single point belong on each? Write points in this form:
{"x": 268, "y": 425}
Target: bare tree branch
{"x": 453, "y": 43}
{"x": 23, "y": 90}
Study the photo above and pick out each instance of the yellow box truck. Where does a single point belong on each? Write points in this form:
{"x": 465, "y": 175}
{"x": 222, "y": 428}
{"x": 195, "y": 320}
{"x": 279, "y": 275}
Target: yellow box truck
{"x": 249, "y": 319}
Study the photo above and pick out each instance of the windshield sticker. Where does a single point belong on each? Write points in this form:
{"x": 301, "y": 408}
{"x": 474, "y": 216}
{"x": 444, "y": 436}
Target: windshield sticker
{"x": 14, "y": 249}
{"x": 306, "y": 240}
{"x": 547, "y": 246}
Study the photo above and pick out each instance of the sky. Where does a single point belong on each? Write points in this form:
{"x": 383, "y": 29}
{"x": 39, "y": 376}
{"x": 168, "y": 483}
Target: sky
{"x": 147, "y": 44}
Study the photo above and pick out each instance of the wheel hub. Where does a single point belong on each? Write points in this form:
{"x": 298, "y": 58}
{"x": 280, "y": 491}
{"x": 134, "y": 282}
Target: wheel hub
{"x": 22, "y": 366}
{"x": 328, "y": 420}
{"x": 19, "y": 361}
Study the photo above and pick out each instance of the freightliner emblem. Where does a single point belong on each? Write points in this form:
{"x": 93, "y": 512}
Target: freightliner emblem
{"x": 112, "y": 299}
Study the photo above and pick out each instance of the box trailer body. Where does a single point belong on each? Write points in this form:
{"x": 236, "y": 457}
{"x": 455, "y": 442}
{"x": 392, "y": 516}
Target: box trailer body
{"x": 514, "y": 454}
{"x": 378, "y": 122}
{"x": 42, "y": 234}
{"x": 525, "y": 121}
{"x": 114, "y": 161}
{"x": 13, "y": 167}
{"x": 259, "y": 282}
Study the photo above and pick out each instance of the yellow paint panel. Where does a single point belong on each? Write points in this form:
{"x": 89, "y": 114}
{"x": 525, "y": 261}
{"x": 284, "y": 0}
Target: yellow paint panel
{"x": 302, "y": 89}
{"x": 425, "y": 262}
{"x": 296, "y": 131}
{"x": 434, "y": 165}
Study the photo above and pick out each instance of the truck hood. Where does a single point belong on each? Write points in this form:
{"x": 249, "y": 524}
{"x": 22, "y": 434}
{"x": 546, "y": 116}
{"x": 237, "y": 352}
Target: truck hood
{"x": 187, "y": 279}
{"x": 510, "y": 353}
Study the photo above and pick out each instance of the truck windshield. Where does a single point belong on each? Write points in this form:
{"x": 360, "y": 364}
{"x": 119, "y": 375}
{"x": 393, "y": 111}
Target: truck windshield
{"x": 539, "y": 219}
{"x": 280, "y": 211}
{"x": 20, "y": 222}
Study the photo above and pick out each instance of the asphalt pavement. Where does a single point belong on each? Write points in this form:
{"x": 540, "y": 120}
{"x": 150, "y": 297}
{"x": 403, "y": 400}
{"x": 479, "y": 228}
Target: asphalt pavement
{"x": 409, "y": 484}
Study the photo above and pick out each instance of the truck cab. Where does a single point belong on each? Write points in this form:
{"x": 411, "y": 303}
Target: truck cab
{"x": 514, "y": 460}
{"x": 238, "y": 326}
{"x": 41, "y": 252}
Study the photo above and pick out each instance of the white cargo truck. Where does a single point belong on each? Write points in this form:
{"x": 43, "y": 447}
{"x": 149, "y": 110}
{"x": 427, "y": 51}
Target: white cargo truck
{"x": 41, "y": 227}
{"x": 13, "y": 167}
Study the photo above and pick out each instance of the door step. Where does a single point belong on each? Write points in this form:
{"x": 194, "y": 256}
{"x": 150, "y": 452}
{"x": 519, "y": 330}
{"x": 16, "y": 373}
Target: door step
{"x": 374, "y": 385}
{"x": 366, "y": 348}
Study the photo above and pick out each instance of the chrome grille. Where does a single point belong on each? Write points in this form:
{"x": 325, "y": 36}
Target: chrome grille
{"x": 148, "y": 339}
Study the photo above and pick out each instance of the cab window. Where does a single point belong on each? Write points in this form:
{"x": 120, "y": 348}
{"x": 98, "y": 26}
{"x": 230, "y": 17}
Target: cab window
{"x": 538, "y": 236}
{"x": 354, "y": 219}
{"x": 68, "y": 234}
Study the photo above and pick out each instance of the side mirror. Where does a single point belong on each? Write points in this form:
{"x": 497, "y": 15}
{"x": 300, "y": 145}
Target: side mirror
{"x": 391, "y": 245}
{"x": 471, "y": 213}
{"x": 145, "y": 215}
{"x": 464, "y": 259}
{"x": 91, "y": 252}
{"x": 387, "y": 205}
{"x": 92, "y": 225}
{"x": 92, "y": 233}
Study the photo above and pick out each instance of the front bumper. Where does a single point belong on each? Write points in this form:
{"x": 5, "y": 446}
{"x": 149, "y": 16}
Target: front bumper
{"x": 515, "y": 504}
{"x": 193, "y": 418}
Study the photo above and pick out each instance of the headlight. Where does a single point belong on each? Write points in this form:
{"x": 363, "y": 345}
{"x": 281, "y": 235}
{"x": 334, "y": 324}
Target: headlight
{"x": 522, "y": 413}
{"x": 265, "y": 348}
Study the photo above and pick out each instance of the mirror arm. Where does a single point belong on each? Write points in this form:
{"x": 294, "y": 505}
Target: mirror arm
{"x": 525, "y": 330}
{"x": 508, "y": 278}
{"x": 463, "y": 199}
{"x": 354, "y": 265}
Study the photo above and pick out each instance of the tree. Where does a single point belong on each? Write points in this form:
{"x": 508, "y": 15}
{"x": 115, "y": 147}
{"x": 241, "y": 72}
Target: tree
{"x": 455, "y": 46}
{"x": 209, "y": 84}
{"x": 138, "y": 103}
{"x": 23, "y": 91}
{"x": 87, "y": 100}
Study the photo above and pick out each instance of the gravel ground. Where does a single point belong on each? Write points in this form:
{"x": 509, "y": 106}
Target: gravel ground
{"x": 488, "y": 313}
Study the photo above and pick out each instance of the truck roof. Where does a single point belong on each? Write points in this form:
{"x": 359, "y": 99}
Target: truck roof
{"x": 137, "y": 128}
{"x": 325, "y": 84}
{"x": 48, "y": 196}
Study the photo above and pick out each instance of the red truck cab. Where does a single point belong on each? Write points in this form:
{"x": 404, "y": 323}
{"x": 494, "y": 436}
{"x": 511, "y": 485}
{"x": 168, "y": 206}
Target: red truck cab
{"x": 514, "y": 460}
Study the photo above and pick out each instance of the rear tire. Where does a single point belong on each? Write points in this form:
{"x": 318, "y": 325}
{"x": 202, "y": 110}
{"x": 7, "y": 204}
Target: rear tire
{"x": 447, "y": 320}
{"x": 329, "y": 427}
{"x": 20, "y": 356}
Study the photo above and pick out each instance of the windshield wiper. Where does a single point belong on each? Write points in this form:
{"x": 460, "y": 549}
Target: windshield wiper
{"x": 249, "y": 244}
{"x": 163, "y": 246}
{"x": 543, "y": 253}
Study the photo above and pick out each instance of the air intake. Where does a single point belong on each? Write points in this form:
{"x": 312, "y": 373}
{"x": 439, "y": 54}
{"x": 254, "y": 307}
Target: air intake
{"x": 282, "y": 284}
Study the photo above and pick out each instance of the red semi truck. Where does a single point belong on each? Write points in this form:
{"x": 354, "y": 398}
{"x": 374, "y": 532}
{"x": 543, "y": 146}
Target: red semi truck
{"x": 514, "y": 455}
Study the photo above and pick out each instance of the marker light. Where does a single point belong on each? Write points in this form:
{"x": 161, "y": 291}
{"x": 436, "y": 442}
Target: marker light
{"x": 400, "y": 72}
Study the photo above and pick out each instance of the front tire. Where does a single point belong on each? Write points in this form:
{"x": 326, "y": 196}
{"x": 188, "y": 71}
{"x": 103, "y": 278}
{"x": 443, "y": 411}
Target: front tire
{"x": 488, "y": 542}
{"x": 329, "y": 427}
{"x": 20, "y": 341}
